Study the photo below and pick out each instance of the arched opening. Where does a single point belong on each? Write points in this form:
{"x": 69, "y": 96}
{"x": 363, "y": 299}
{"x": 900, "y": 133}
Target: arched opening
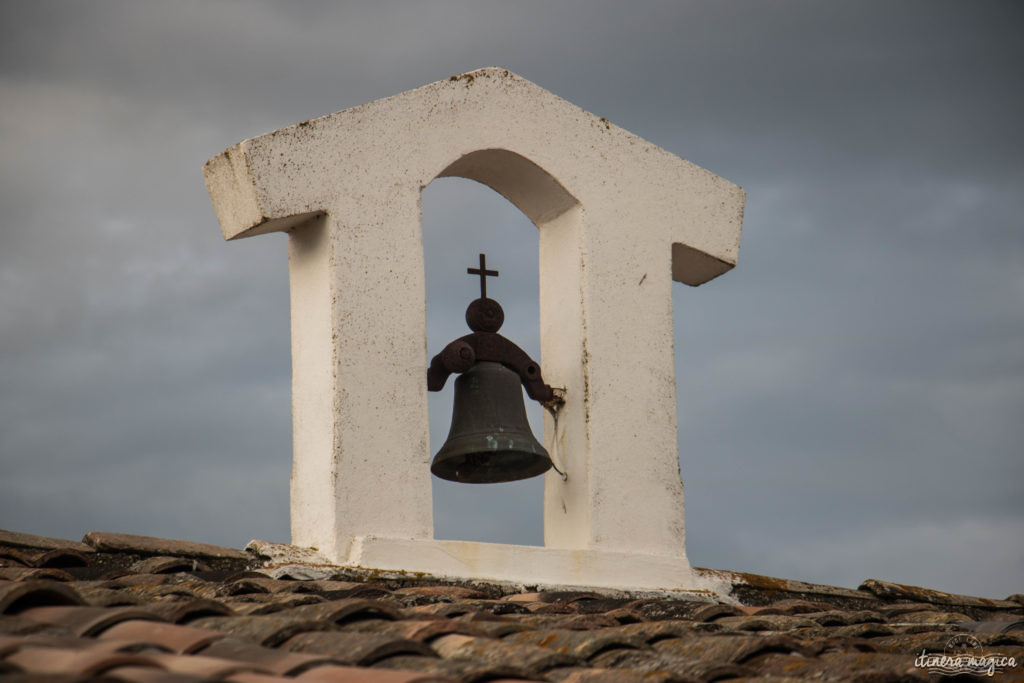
{"x": 462, "y": 219}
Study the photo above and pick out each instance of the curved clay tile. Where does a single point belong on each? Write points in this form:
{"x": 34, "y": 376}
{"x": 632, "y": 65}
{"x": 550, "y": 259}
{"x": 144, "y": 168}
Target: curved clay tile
{"x": 533, "y": 659}
{"x": 449, "y": 592}
{"x": 345, "y": 611}
{"x": 348, "y": 674}
{"x": 582, "y": 644}
{"x": 175, "y": 638}
{"x": 269, "y": 630}
{"x": 338, "y": 590}
{"x": 353, "y": 647}
{"x": 86, "y": 621}
{"x": 23, "y": 595}
{"x": 734, "y": 649}
{"x": 33, "y": 574}
{"x": 169, "y": 565}
{"x": 9, "y": 557}
{"x": 421, "y": 630}
{"x": 198, "y": 665}
{"x": 187, "y": 611}
{"x": 653, "y": 631}
{"x": 83, "y": 662}
{"x": 280, "y": 662}
{"x": 60, "y": 558}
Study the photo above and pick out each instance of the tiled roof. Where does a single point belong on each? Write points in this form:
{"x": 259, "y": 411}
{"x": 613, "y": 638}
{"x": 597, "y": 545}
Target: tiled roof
{"x": 134, "y": 608}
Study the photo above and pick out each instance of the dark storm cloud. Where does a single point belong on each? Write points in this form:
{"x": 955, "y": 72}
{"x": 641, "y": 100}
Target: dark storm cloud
{"x": 849, "y": 396}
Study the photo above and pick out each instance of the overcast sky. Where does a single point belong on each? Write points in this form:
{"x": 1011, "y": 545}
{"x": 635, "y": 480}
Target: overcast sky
{"x": 850, "y": 397}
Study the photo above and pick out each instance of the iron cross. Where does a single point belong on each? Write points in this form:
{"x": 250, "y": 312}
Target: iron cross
{"x": 483, "y": 273}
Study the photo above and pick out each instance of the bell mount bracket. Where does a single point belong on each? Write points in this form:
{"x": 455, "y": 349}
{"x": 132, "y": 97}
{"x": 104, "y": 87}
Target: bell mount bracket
{"x": 485, "y": 317}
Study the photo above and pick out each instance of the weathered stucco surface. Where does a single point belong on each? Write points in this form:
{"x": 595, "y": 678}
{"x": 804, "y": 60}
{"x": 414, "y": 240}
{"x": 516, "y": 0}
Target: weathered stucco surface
{"x": 619, "y": 219}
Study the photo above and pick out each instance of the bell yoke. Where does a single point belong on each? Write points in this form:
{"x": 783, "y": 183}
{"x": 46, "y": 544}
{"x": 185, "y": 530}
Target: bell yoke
{"x": 490, "y": 439}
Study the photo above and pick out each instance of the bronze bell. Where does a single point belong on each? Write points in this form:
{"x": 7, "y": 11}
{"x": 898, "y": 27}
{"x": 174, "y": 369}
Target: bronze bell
{"x": 490, "y": 439}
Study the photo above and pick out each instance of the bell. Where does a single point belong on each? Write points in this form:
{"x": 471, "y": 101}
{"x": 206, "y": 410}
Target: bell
{"x": 490, "y": 440}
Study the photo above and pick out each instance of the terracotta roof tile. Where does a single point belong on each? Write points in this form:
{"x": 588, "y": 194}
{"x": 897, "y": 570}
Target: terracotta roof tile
{"x": 58, "y": 558}
{"x": 249, "y": 677}
{"x": 766, "y": 622}
{"x": 549, "y": 608}
{"x": 149, "y": 545}
{"x": 186, "y": 611}
{"x": 18, "y": 597}
{"x": 143, "y": 609}
{"x": 602, "y": 606}
{"x": 898, "y": 608}
{"x": 911, "y": 642}
{"x": 10, "y": 644}
{"x": 138, "y": 674}
{"x": 580, "y": 644}
{"x": 33, "y": 573}
{"x": 994, "y": 626}
{"x": 658, "y": 610}
{"x": 275, "y": 661}
{"x": 593, "y": 675}
{"x": 930, "y": 617}
{"x": 626, "y": 615}
{"x": 252, "y": 606}
{"x": 9, "y": 557}
{"x": 337, "y": 590}
{"x": 414, "y": 629}
{"x": 445, "y": 610}
{"x": 269, "y": 630}
{"x": 586, "y": 622}
{"x": 328, "y": 674}
{"x": 105, "y": 596}
{"x": 245, "y": 585}
{"x": 444, "y": 592}
{"x": 643, "y": 663}
{"x": 19, "y": 626}
{"x": 502, "y": 653}
{"x": 354, "y": 647}
{"x": 200, "y": 665}
{"x": 141, "y": 592}
{"x": 653, "y": 631}
{"x": 13, "y": 539}
{"x": 794, "y": 606}
{"x": 145, "y": 579}
{"x": 491, "y": 626}
{"x": 86, "y": 621}
{"x": 345, "y": 611}
{"x": 734, "y": 649}
{"x": 843, "y": 666}
{"x": 82, "y": 661}
{"x": 836, "y": 643}
{"x": 838, "y": 617}
{"x": 175, "y": 638}
{"x": 865, "y": 630}
{"x": 471, "y": 607}
{"x": 168, "y": 565}
{"x": 468, "y": 670}
{"x": 896, "y": 591}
